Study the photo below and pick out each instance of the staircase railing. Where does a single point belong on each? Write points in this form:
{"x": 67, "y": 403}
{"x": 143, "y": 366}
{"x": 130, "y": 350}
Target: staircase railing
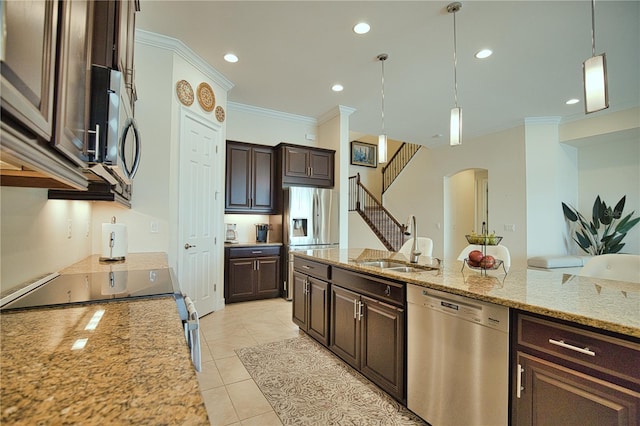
{"x": 398, "y": 162}
{"x": 382, "y": 223}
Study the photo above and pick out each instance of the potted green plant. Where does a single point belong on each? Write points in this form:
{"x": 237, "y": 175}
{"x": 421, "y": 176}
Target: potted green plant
{"x": 607, "y": 229}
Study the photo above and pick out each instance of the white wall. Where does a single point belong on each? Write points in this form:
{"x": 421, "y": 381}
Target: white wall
{"x": 611, "y": 170}
{"x": 420, "y": 188}
{"x": 360, "y": 235}
{"x": 552, "y": 178}
{"x": 34, "y": 234}
{"x": 250, "y": 124}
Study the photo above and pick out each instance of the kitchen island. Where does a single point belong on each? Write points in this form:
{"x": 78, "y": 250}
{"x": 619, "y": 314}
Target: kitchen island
{"x": 566, "y": 351}
{"x": 603, "y": 304}
{"x": 120, "y": 362}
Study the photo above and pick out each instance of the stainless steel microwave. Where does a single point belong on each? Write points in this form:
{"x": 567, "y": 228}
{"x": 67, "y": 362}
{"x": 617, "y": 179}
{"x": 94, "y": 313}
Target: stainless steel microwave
{"x": 114, "y": 139}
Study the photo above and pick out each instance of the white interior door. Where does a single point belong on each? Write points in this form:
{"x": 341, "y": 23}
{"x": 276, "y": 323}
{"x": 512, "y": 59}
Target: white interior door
{"x": 198, "y": 266}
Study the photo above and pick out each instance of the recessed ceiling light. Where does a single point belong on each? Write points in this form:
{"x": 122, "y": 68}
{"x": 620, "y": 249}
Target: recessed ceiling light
{"x": 484, "y": 53}
{"x": 230, "y": 57}
{"x": 337, "y": 88}
{"x": 361, "y": 28}
{"x": 572, "y": 101}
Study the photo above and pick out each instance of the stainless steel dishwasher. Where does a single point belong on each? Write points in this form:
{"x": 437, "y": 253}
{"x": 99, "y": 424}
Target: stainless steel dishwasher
{"x": 457, "y": 359}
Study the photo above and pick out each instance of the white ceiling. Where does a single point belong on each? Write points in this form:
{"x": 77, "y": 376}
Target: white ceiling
{"x": 292, "y": 52}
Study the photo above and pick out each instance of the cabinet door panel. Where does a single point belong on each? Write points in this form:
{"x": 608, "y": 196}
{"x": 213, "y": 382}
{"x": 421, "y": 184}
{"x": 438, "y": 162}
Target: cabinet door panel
{"x": 268, "y": 277}
{"x": 300, "y": 305}
{"x": 383, "y": 345}
{"x": 321, "y": 165}
{"x": 345, "y": 328}
{"x": 241, "y": 278}
{"x": 28, "y": 63}
{"x": 238, "y": 178}
{"x": 263, "y": 178}
{"x": 318, "y": 310}
{"x": 74, "y": 70}
{"x": 296, "y": 162}
{"x": 554, "y": 394}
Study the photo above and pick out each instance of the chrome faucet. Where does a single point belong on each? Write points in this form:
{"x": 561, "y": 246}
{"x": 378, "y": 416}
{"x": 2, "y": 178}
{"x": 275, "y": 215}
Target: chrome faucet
{"x": 415, "y": 253}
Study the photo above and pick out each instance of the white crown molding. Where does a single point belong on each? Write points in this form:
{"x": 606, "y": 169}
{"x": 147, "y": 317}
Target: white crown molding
{"x": 542, "y": 120}
{"x": 235, "y": 106}
{"x": 335, "y": 112}
{"x": 185, "y": 52}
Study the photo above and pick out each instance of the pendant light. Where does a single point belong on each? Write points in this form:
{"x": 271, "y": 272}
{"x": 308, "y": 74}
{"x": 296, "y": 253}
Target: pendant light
{"x": 455, "y": 131}
{"x": 594, "y": 69}
{"x": 382, "y": 138}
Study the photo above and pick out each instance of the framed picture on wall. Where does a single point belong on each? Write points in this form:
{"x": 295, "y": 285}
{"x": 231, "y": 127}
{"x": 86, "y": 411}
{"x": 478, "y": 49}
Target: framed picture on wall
{"x": 364, "y": 154}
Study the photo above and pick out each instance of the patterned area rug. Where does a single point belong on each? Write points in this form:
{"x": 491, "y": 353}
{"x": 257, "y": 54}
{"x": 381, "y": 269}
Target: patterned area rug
{"x": 308, "y": 385}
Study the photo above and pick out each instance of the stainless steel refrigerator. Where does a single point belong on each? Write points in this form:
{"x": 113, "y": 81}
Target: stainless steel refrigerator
{"x": 309, "y": 221}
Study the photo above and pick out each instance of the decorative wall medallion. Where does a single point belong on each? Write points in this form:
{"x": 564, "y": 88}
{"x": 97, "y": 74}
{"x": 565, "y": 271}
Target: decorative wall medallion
{"x": 206, "y": 97}
{"x": 220, "y": 113}
{"x": 185, "y": 92}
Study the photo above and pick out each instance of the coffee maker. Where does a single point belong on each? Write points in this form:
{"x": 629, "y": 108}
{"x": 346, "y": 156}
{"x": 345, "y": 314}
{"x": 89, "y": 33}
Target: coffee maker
{"x": 231, "y": 235}
{"x": 262, "y": 232}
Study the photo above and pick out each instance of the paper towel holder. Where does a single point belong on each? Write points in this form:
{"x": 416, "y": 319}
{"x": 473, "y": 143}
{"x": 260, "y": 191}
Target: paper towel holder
{"x": 109, "y": 242}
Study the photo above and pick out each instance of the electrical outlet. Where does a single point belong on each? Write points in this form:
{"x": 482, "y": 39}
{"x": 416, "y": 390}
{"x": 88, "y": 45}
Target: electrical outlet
{"x": 87, "y": 229}
{"x": 69, "y": 228}
{"x": 510, "y": 227}
{"x": 153, "y": 227}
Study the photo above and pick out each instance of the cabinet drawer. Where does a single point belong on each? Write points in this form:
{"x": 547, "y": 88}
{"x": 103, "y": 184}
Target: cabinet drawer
{"x": 384, "y": 290}
{"x": 610, "y": 355}
{"x": 257, "y": 251}
{"x": 309, "y": 267}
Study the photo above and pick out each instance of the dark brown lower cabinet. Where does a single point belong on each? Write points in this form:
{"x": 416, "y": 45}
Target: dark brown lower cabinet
{"x": 569, "y": 375}
{"x": 369, "y": 335}
{"x": 555, "y": 395}
{"x": 311, "y": 306}
{"x": 251, "y": 278}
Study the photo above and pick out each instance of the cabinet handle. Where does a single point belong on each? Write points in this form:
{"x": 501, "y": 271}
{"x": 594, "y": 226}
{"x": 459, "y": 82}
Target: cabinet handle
{"x": 519, "y": 387}
{"x": 256, "y": 252}
{"x": 562, "y": 344}
{"x": 355, "y": 309}
{"x": 257, "y": 265}
{"x": 360, "y": 314}
{"x": 307, "y": 267}
{"x": 97, "y": 133}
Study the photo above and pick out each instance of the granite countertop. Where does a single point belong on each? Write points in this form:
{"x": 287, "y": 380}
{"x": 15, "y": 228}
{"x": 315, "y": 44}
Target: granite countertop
{"x": 605, "y": 304}
{"x": 135, "y": 366}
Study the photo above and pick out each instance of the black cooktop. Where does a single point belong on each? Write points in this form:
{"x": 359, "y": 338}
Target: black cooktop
{"x": 96, "y": 287}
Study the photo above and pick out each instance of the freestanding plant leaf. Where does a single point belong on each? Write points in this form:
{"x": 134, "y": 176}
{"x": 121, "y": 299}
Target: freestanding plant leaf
{"x": 595, "y": 239}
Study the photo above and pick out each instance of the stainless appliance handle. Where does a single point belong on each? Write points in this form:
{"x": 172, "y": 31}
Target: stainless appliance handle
{"x": 316, "y": 214}
{"x": 192, "y": 333}
{"x": 130, "y": 172}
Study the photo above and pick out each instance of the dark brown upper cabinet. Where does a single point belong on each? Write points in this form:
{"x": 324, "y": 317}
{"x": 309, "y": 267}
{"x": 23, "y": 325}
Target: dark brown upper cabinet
{"x": 32, "y": 35}
{"x": 74, "y": 79}
{"x": 306, "y": 166}
{"x": 114, "y": 38}
{"x": 250, "y": 178}
{"x": 28, "y": 64}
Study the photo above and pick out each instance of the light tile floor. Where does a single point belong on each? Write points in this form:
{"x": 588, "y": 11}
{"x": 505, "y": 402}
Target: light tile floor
{"x": 230, "y": 394}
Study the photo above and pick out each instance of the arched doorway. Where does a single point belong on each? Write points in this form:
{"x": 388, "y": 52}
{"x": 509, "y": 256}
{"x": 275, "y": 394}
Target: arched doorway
{"x": 466, "y": 207}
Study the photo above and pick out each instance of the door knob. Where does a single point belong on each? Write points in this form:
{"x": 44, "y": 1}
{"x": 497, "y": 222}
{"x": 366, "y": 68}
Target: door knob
{"x": 187, "y": 246}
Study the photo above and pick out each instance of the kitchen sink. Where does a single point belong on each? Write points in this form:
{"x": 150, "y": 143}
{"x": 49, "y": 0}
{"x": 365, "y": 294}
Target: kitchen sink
{"x": 408, "y": 269}
{"x": 384, "y": 264}
{"x": 389, "y": 265}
